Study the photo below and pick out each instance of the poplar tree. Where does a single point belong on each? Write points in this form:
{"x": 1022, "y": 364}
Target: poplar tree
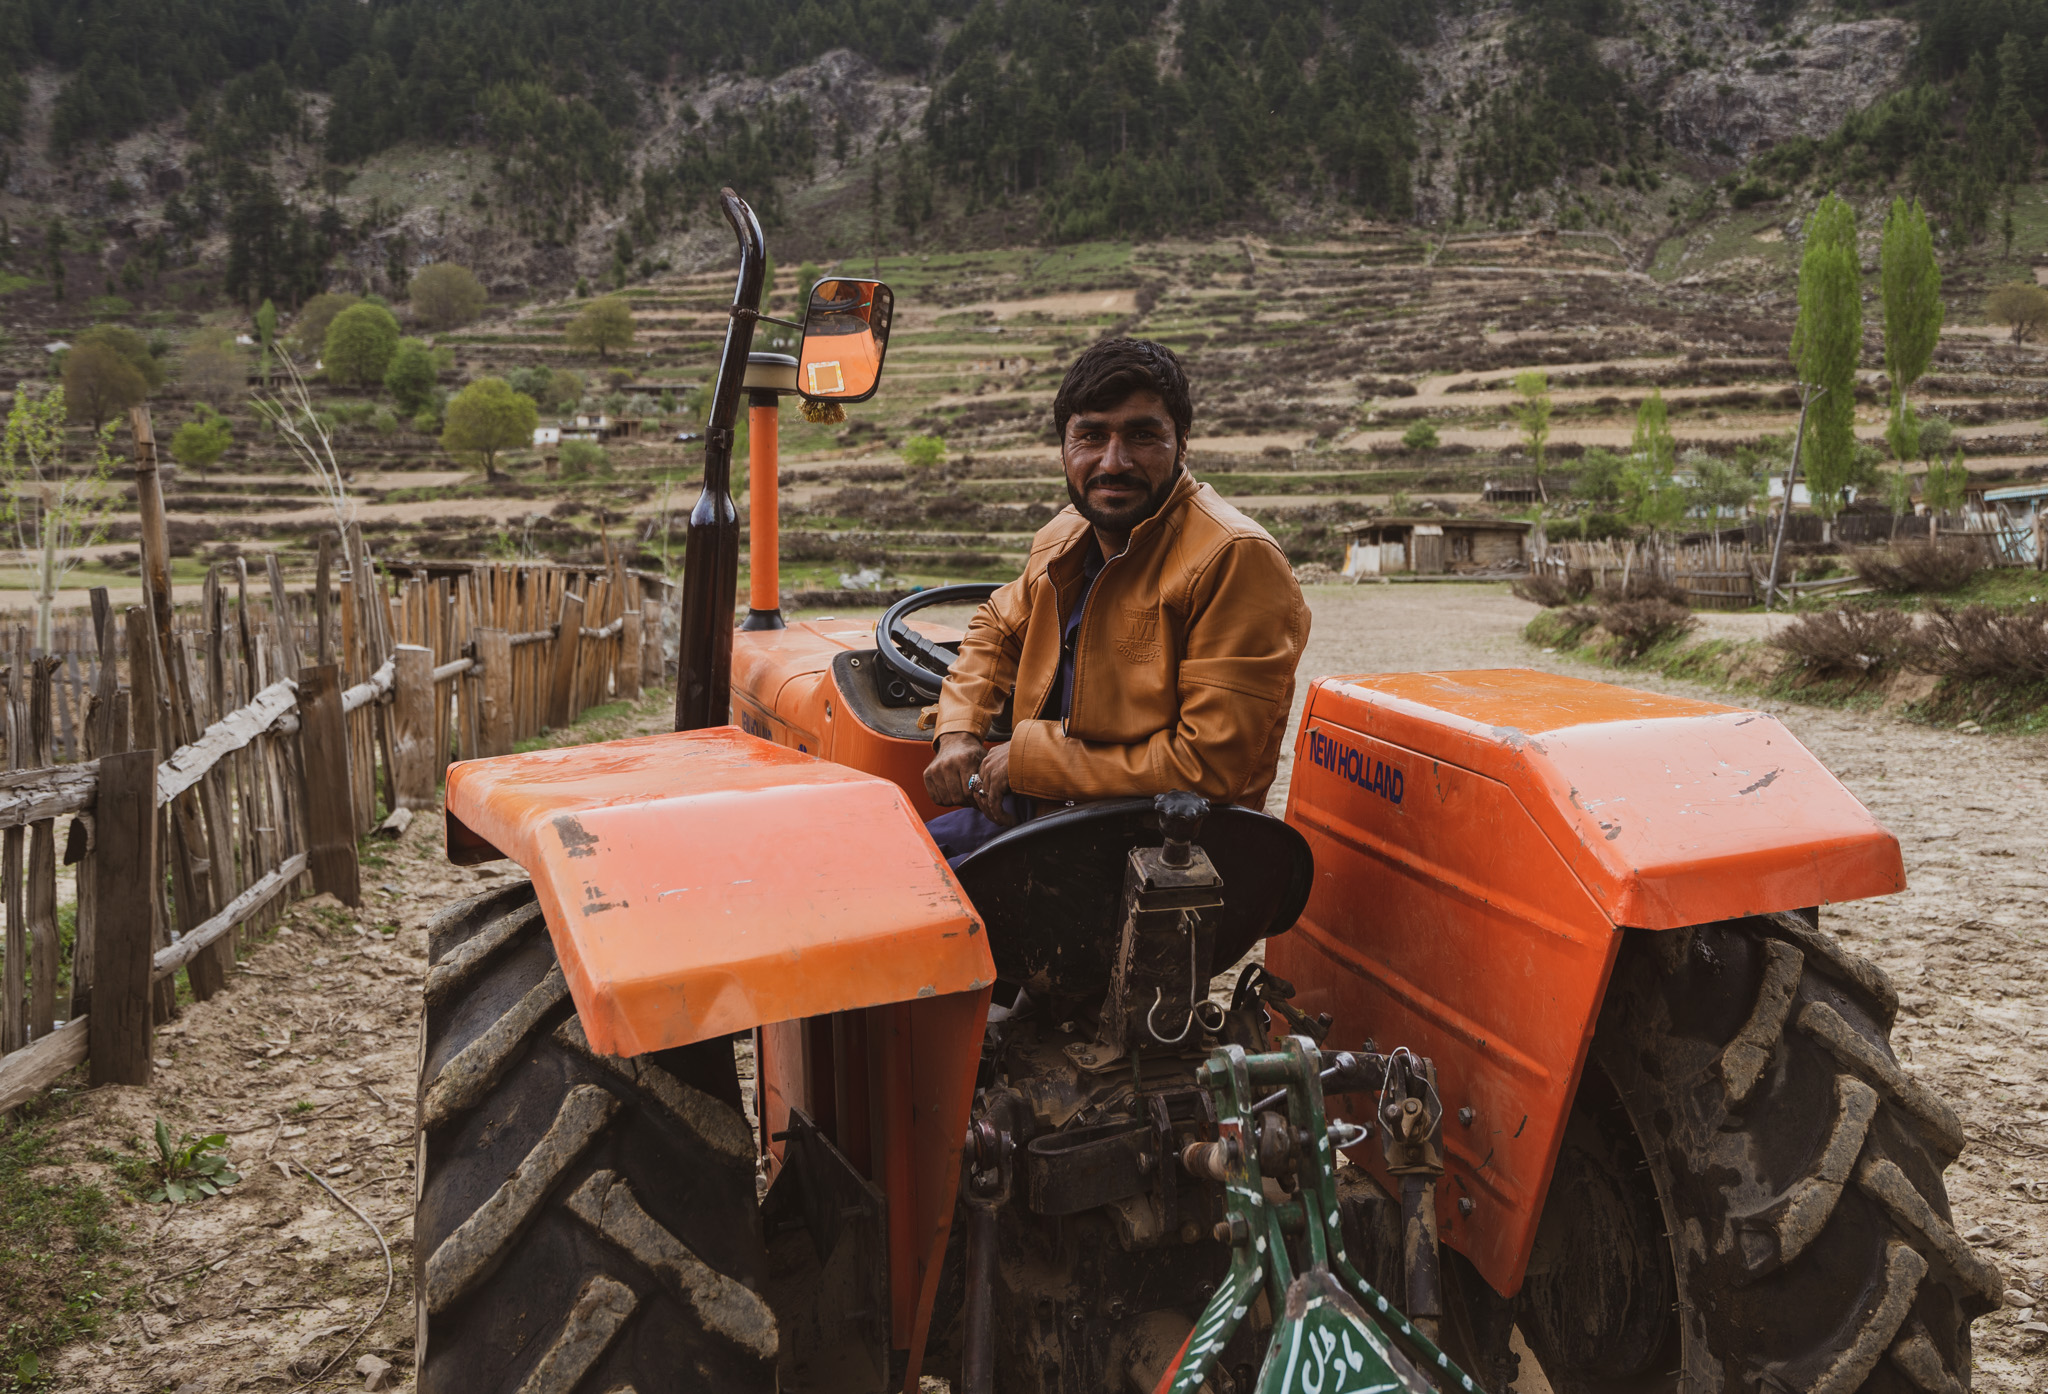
{"x": 1911, "y": 283}
{"x": 1826, "y": 345}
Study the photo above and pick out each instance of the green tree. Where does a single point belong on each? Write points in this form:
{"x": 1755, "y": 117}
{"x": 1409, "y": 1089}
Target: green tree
{"x": 487, "y": 418}
{"x": 309, "y": 330}
{"x": 923, "y": 452}
{"x": 1934, "y": 436}
{"x": 410, "y": 376}
{"x": 99, "y": 384}
{"x": 1648, "y": 491}
{"x": 58, "y": 511}
{"x": 130, "y": 345}
{"x": 1533, "y": 413}
{"x": 604, "y": 324}
{"x": 201, "y": 441}
{"x": 1911, "y": 283}
{"x": 1420, "y": 437}
{"x": 2021, "y": 308}
{"x": 447, "y": 296}
{"x": 1599, "y": 476}
{"x": 1826, "y": 345}
{"x": 1947, "y": 487}
{"x": 360, "y": 343}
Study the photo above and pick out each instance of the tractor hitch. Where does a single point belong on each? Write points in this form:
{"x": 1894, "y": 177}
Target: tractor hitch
{"x": 1332, "y": 1335}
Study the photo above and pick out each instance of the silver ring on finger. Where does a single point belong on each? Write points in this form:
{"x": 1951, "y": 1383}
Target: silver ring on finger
{"x": 974, "y": 784}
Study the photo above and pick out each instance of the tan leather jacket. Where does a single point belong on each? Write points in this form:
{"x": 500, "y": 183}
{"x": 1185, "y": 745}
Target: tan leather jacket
{"x": 1183, "y": 664}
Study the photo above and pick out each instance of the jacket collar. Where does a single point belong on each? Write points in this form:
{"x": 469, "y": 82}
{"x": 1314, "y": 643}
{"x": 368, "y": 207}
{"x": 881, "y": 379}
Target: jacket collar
{"x": 1066, "y": 567}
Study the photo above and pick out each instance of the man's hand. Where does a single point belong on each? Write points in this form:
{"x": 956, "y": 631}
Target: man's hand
{"x": 945, "y": 778}
{"x": 995, "y": 786}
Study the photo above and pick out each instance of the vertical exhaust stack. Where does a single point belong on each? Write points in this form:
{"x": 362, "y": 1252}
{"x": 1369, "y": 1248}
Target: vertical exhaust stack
{"x": 711, "y": 559}
{"x": 770, "y": 377}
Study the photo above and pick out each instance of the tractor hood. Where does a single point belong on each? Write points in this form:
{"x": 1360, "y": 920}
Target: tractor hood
{"x": 706, "y": 882}
{"x": 1669, "y": 811}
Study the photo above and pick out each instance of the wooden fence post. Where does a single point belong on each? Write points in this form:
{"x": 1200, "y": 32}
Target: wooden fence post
{"x": 494, "y": 698}
{"x": 628, "y": 672}
{"x": 330, "y": 812}
{"x": 561, "y": 708}
{"x": 413, "y": 725}
{"x": 651, "y": 672}
{"x": 124, "y": 872}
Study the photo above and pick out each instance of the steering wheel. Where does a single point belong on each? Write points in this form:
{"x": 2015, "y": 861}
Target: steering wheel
{"x": 922, "y": 664}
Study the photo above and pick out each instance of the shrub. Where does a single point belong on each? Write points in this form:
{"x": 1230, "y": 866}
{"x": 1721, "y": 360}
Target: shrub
{"x": 427, "y": 422}
{"x": 410, "y": 376}
{"x": 445, "y": 295}
{"x": 1907, "y": 567}
{"x": 581, "y": 457}
{"x": 1640, "y": 625}
{"x": 1421, "y": 436}
{"x": 1846, "y": 641}
{"x": 1551, "y": 591}
{"x": 1982, "y": 641}
{"x": 923, "y": 452}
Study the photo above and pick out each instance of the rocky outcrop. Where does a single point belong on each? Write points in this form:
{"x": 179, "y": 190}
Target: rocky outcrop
{"x": 1773, "y": 93}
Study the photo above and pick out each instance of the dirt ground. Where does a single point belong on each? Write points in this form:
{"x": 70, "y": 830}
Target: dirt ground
{"x": 309, "y": 1055}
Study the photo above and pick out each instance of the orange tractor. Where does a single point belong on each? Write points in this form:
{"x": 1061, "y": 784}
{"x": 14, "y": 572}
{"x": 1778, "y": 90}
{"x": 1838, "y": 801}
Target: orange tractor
{"x": 1546, "y": 1048}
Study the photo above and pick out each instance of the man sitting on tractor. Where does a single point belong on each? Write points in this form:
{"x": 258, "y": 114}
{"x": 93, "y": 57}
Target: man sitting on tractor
{"x": 1151, "y": 642}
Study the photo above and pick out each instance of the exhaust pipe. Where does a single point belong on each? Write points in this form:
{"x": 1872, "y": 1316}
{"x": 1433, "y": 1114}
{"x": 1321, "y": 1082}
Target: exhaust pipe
{"x": 711, "y": 557}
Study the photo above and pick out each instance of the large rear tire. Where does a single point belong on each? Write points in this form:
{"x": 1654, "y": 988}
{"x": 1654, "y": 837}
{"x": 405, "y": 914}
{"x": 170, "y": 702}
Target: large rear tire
{"x": 1750, "y": 1192}
{"x": 584, "y": 1222}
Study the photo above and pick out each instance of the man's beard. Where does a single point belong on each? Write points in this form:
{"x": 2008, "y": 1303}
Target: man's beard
{"x": 1122, "y": 520}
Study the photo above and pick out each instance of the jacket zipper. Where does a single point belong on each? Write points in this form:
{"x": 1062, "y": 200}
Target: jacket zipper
{"x": 1081, "y": 628}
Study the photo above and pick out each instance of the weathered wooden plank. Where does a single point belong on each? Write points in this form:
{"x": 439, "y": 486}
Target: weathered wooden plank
{"x": 40, "y": 891}
{"x": 27, "y": 1073}
{"x": 454, "y": 668}
{"x": 413, "y": 726}
{"x": 274, "y": 709}
{"x": 628, "y": 674}
{"x": 259, "y": 894}
{"x": 494, "y": 700}
{"x": 561, "y": 708}
{"x": 124, "y": 870}
{"x": 330, "y": 811}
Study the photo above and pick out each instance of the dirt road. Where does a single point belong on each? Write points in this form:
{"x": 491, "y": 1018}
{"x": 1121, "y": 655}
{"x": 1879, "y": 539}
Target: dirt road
{"x": 310, "y": 1053}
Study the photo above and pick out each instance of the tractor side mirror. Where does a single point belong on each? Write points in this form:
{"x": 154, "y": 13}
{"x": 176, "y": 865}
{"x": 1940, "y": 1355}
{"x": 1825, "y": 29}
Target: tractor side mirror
{"x": 846, "y": 333}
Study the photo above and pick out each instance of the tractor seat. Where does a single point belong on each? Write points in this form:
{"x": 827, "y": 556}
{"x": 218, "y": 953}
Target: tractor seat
{"x": 1048, "y": 890}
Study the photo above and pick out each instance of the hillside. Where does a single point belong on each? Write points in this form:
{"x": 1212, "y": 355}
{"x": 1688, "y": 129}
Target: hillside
{"x": 275, "y": 151}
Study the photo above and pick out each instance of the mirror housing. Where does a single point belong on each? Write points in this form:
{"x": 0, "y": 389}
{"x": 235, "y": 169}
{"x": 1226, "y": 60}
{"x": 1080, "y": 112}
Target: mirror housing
{"x": 846, "y": 335}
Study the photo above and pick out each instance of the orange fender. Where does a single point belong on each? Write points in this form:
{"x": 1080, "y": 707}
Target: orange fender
{"x": 1480, "y": 840}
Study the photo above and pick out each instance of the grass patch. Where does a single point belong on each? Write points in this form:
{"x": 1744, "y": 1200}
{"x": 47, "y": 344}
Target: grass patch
{"x": 58, "y": 1245}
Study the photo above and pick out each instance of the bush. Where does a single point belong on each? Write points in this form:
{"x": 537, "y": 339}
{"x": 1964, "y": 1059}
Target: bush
{"x": 1420, "y": 436}
{"x": 1846, "y": 641}
{"x": 1551, "y": 592}
{"x": 1640, "y": 625}
{"x": 923, "y": 452}
{"x": 445, "y": 295}
{"x": 581, "y": 457}
{"x": 1908, "y": 567}
{"x": 427, "y": 422}
{"x": 1982, "y": 641}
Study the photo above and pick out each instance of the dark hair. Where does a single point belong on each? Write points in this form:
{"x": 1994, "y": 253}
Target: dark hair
{"x": 1108, "y": 372}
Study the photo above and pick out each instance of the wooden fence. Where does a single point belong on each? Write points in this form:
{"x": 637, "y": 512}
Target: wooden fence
{"x": 1714, "y": 573}
{"x": 216, "y": 761}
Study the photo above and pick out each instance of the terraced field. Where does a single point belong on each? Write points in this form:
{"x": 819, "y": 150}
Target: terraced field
{"x": 1309, "y": 362}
